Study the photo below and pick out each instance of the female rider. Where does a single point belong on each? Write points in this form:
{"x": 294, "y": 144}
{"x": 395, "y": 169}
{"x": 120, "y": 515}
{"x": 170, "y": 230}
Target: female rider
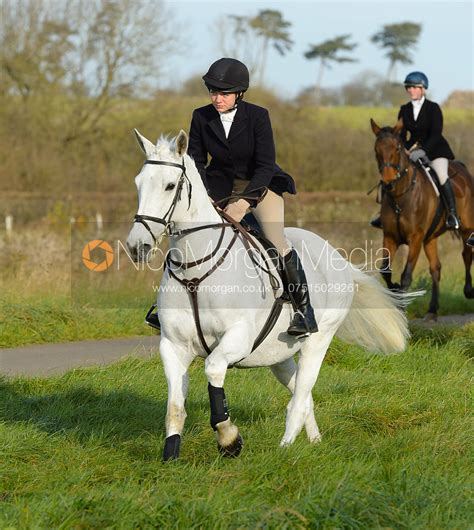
{"x": 238, "y": 137}
{"x": 423, "y": 119}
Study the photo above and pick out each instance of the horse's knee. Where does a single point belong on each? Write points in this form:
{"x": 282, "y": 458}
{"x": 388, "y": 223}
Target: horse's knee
{"x": 215, "y": 370}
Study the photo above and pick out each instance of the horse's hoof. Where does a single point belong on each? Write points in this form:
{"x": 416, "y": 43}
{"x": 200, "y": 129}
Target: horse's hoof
{"x": 395, "y": 288}
{"x": 430, "y": 317}
{"x": 171, "y": 450}
{"x": 315, "y": 439}
{"x": 233, "y": 450}
{"x": 469, "y": 293}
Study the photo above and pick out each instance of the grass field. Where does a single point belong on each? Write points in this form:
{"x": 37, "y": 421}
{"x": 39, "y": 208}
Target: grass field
{"x": 84, "y": 450}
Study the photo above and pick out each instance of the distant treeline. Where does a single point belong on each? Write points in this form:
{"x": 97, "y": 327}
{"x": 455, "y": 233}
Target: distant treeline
{"x": 324, "y": 148}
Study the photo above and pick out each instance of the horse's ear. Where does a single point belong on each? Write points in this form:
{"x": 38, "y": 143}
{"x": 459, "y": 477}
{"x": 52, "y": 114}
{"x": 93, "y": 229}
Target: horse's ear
{"x": 398, "y": 127}
{"x": 181, "y": 143}
{"x": 374, "y": 126}
{"x": 147, "y": 147}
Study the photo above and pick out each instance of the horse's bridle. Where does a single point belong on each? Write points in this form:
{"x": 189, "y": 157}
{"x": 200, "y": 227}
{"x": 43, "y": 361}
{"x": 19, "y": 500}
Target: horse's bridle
{"x": 166, "y": 219}
{"x": 398, "y": 168}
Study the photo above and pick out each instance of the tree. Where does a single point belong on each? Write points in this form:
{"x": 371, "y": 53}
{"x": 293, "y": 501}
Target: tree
{"x": 250, "y": 38}
{"x": 88, "y": 51}
{"x": 327, "y": 53}
{"x": 270, "y": 26}
{"x": 397, "y": 39}
{"x": 236, "y": 38}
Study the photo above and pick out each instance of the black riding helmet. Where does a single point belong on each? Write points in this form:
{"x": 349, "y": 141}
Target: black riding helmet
{"x": 227, "y": 75}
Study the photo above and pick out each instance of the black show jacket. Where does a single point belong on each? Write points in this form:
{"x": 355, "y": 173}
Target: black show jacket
{"x": 426, "y": 130}
{"x": 248, "y": 153}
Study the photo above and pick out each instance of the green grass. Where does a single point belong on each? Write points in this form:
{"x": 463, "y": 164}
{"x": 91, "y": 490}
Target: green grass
{"x": 451, "y": 301}
{"x": 43, "y": 319}
{"x": 84, "y": 450}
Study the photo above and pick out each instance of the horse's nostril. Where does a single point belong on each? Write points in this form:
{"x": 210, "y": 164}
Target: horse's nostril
{"x": 143, "y": 252}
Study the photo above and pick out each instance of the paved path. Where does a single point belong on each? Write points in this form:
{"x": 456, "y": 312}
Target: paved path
{"x": 48, "y": 359}
{"x": 446, "y": 320}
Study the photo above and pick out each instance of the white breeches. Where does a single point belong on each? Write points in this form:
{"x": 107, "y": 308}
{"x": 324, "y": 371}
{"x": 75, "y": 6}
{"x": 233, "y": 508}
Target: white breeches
{"x": 270, "y": 214}
{"x": 440, "y": 165}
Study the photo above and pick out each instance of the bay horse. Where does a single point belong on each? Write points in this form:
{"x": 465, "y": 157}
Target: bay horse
{"x": 214, "y": 305}
{"x": 412, "y": 213}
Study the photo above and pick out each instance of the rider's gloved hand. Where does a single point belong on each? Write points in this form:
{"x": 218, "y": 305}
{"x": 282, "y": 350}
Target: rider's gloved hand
{"x": 416, "y": 154}
{"x": 237, "y": 209}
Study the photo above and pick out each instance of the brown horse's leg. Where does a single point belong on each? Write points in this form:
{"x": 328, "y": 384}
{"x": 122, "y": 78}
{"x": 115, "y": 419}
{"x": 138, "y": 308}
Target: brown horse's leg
{"x": 431, "y": 251}
{"x": 414, "y": 248}
{"x": 467, "y": 257}
{"x": 389, "y": 248}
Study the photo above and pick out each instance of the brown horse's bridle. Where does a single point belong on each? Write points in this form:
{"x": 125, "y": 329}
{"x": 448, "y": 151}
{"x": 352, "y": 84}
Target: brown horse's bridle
{"x": 401, "y": 172}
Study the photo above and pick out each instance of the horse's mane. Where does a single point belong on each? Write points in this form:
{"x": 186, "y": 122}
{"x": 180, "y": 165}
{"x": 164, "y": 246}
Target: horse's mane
{"x": 165, "y": 143}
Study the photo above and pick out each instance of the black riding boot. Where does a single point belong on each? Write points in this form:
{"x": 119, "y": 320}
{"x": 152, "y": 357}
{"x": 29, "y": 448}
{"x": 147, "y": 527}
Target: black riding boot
{"x": 303, "y": 323}
{"x": 452, "y": 219}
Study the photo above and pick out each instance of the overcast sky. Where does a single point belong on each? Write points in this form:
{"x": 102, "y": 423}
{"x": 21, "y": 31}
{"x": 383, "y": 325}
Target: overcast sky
{"x": 444, "y": 52}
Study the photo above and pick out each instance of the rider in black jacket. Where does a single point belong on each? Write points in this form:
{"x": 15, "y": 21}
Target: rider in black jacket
{"x": 231, "y": 142}
{"x": 423, "y": 120}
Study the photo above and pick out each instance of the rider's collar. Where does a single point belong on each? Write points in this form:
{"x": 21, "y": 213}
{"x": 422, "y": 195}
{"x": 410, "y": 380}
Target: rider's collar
{"x": 418, "y": 103}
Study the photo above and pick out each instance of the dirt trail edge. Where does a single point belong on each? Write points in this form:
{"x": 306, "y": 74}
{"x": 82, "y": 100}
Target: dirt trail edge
{"x": 49, "y": 359}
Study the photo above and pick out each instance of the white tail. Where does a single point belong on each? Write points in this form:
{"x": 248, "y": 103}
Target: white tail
{"x": 375, "y": 320}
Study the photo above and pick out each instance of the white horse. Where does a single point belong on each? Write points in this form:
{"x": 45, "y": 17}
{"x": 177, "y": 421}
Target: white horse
{"x": 235, "y": 299}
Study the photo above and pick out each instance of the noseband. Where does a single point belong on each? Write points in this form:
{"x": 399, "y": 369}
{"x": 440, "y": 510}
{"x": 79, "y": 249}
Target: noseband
{"x": 166, "y": 219}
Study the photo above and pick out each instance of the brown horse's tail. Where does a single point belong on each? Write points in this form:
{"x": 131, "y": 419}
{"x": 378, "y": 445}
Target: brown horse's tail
{"x": 376, "y": 320}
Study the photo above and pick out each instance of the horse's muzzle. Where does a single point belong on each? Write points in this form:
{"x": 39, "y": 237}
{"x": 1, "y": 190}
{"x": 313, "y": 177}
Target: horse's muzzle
{"x": 388, "y": 186}
{"x": 140, "y": 253}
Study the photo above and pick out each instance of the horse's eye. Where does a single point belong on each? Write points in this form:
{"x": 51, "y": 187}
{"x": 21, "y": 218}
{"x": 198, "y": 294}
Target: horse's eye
{"x": 170, "y": 187}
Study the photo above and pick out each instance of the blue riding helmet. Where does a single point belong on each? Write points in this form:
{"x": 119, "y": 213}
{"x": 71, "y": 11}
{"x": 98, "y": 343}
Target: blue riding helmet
{"x": 416, "y": 79}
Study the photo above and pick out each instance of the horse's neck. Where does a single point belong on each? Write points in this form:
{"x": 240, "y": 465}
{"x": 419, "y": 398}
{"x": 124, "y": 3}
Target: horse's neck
{"x": 201, "y": 213}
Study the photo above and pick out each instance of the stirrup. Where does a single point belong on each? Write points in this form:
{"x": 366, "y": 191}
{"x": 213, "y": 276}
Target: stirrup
{"x": 304, "y": 322}
{"x": 452, "y": 221}
{"x": 152, "y": 318}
